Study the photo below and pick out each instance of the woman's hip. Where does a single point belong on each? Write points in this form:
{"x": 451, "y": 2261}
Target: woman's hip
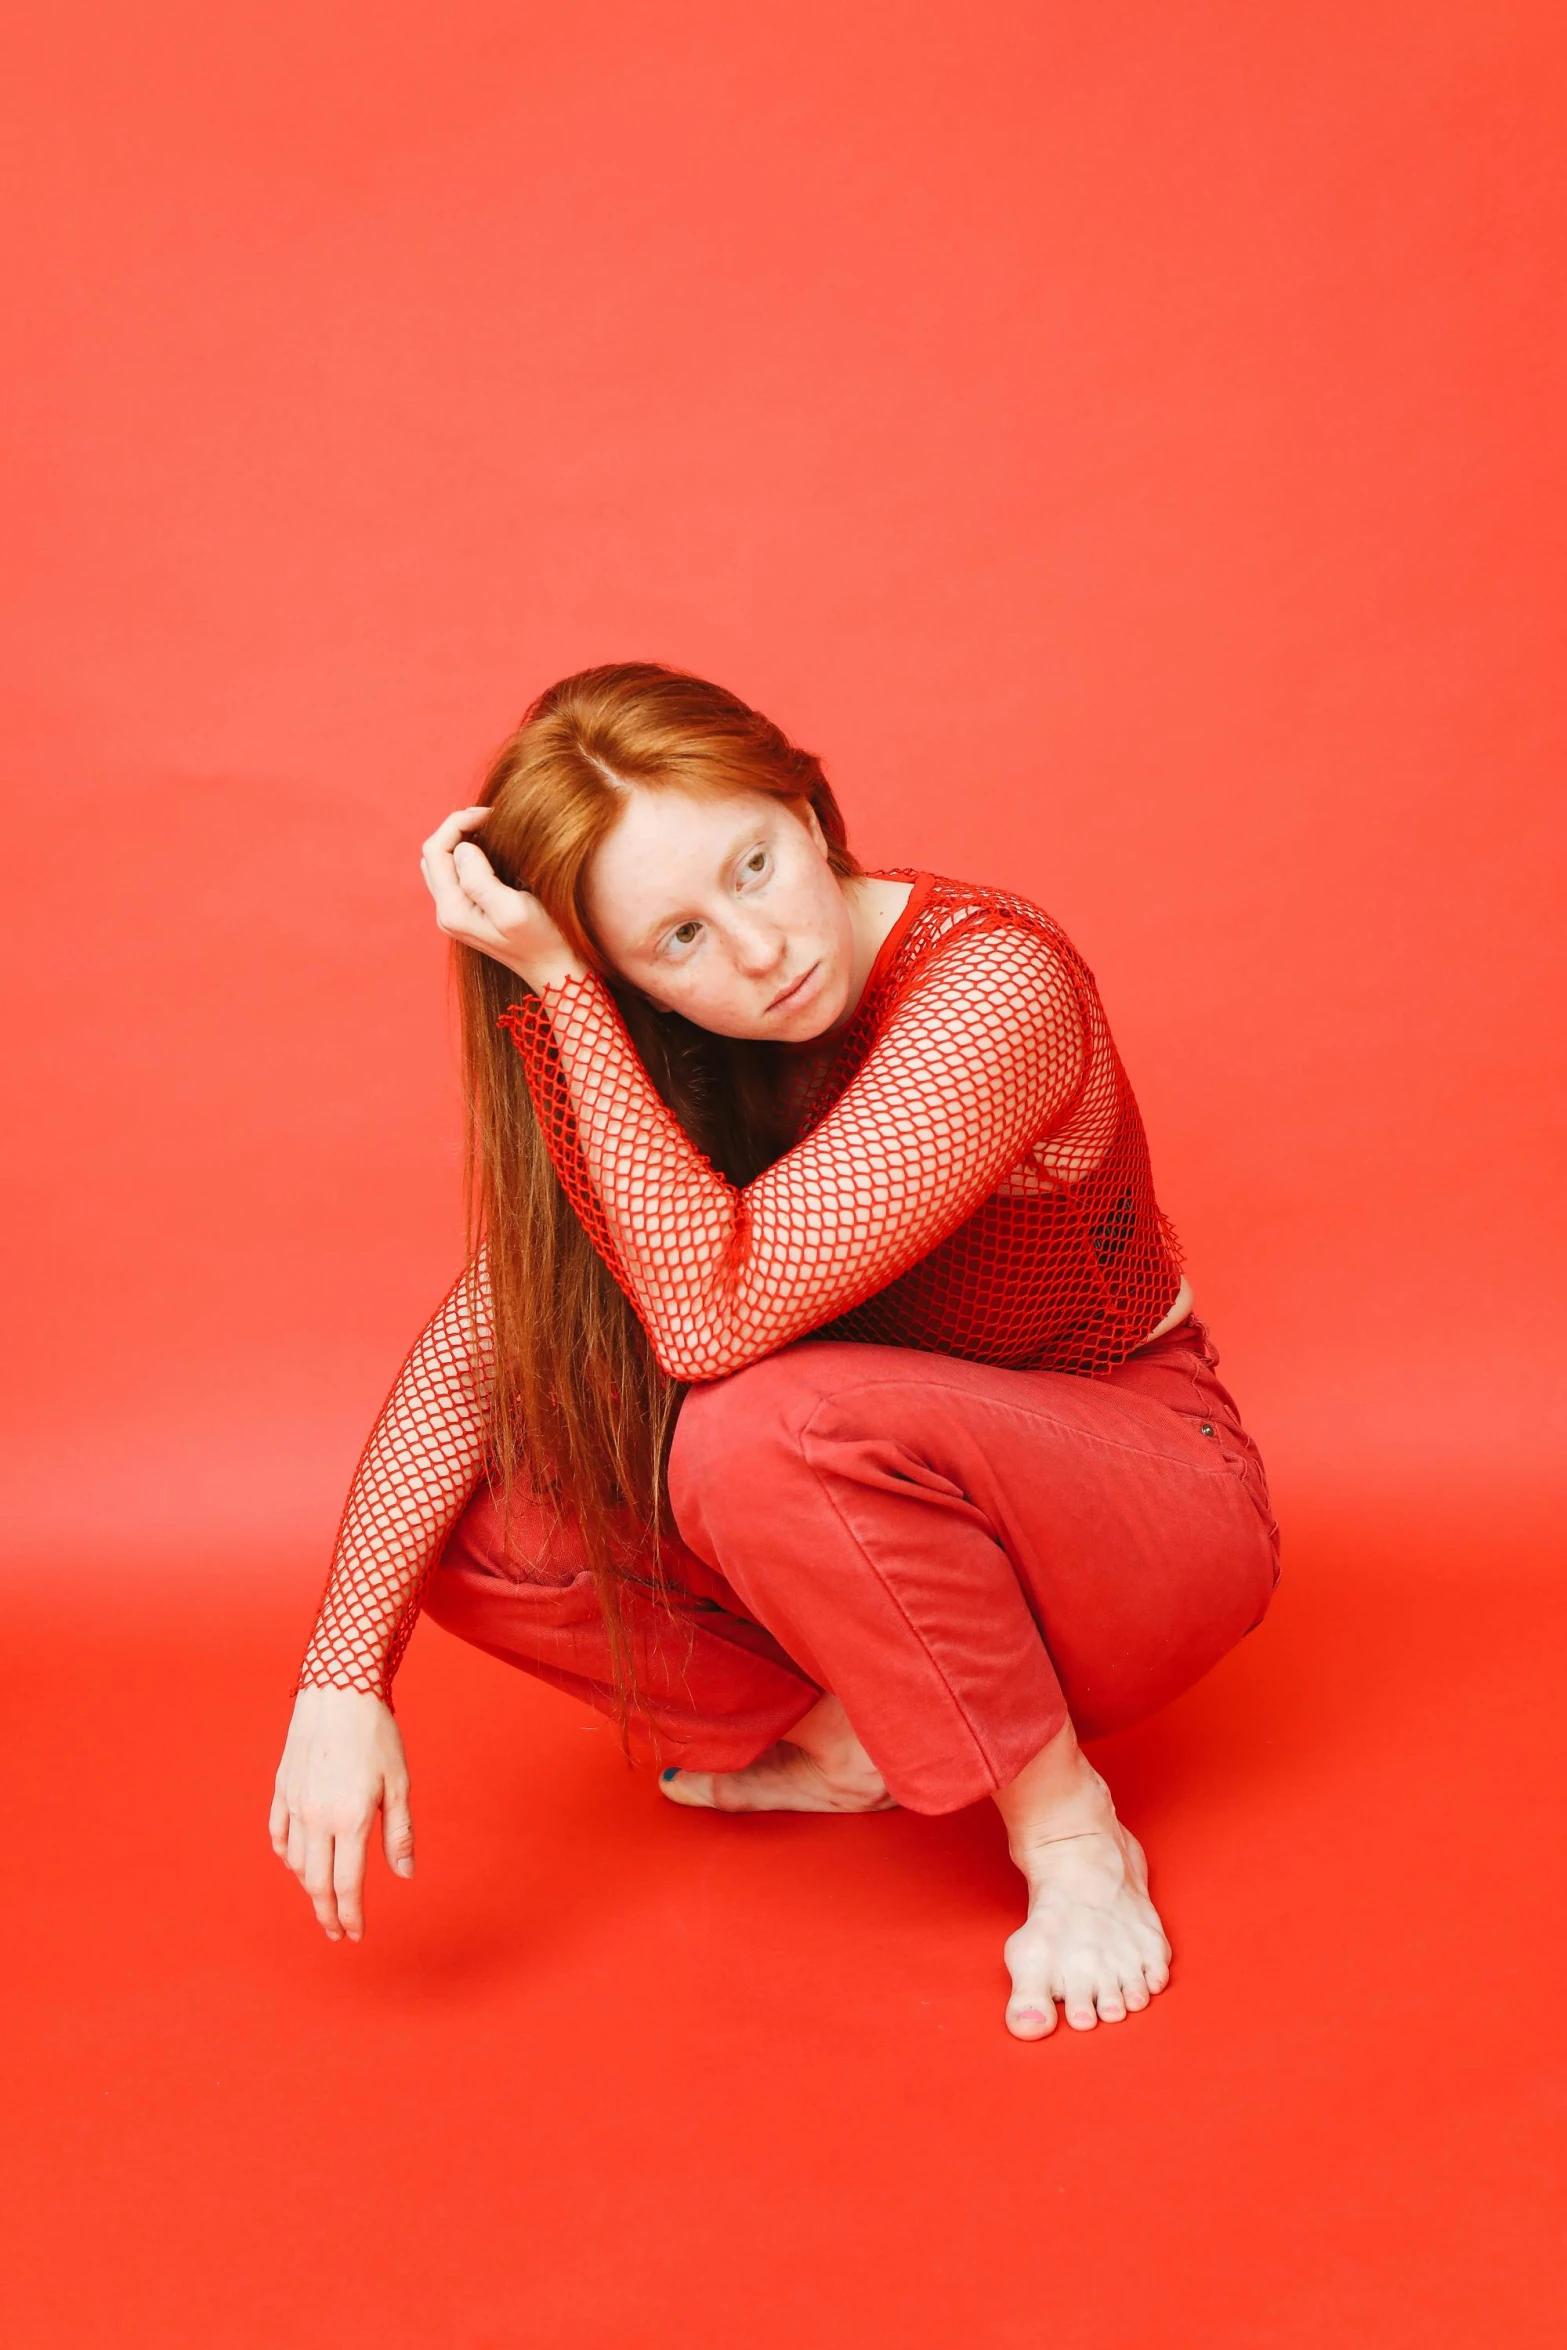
{"x": 1180, "y": 1372}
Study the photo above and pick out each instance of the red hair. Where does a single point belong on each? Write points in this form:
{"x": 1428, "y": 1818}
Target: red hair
{"x": 580, "y": 1408}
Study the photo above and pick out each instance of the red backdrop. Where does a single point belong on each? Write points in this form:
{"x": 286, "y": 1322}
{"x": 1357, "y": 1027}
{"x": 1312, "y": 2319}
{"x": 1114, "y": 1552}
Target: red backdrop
{"x": 1127, "y": 447}
{"x": 1124, "y": 441}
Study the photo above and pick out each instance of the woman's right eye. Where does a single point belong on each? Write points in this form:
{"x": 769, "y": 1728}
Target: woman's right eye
{"x": 684, "y": 934}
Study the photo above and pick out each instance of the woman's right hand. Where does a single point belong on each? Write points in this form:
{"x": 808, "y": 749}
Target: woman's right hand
{"x": 475, "y": 907}
{"x": 342, "y": 1763}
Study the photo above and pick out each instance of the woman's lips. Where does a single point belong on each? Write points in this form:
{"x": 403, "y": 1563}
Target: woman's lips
{"x": 779, "y": 1002}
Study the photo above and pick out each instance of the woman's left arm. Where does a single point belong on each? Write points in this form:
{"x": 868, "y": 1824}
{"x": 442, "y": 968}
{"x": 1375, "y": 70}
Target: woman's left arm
{"x": 977, "y": 1060}
{"x": 981, "y": 1055}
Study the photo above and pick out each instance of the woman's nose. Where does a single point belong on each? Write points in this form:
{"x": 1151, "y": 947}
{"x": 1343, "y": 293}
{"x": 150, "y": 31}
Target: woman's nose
{"x": 757, "y": 948}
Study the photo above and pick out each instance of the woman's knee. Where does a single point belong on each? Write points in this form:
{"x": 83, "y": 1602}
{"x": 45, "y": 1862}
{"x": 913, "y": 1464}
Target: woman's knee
{"x": 515, "y": 1539}
{"x": 738, "y": 1439}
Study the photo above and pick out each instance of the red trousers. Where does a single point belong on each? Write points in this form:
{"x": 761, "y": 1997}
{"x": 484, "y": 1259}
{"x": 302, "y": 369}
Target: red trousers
{"x": 965, "y": 1556}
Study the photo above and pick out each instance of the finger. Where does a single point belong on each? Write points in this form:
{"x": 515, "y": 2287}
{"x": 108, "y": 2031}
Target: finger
{"x": 318, "y": 1880}
{"x": 438, "y": 848}
{"x": 397, "y": 1831}
{"x": 483, "y": 886}
{"x": 456, "y": 913}
{"x": 445, "y": 837}
{"x": 348, "y": 1878}
{"x": 456, "y": 909}
{"x": 294, "y": 1850}
{"x": 277, "y": 1824}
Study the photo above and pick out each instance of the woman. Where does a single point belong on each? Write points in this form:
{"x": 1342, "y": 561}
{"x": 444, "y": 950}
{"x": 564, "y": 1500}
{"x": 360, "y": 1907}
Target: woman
{"x": 823, "y": 1393}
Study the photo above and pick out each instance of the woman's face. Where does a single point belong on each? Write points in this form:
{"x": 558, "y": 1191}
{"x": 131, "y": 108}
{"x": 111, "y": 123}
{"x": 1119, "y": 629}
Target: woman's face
{"x": 725, "y": 910}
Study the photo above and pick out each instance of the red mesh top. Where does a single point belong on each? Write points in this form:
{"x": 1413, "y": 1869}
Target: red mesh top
{"x": 970, "y": 1176}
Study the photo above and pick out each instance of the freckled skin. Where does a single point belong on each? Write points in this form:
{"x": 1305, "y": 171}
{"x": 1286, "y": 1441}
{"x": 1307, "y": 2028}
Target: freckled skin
{"x": 714, "y": 907}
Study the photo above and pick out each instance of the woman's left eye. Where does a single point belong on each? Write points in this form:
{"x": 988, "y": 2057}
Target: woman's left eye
{"x": 755, "y": 865}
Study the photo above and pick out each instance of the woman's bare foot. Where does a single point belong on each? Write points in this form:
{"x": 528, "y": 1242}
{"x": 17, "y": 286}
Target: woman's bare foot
{"x": 820, "y": 1766}
{"x": 1092, "y": 1938}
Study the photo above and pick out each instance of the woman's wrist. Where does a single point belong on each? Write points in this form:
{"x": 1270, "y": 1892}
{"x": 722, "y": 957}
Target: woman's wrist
{"x": 556, "y": 971}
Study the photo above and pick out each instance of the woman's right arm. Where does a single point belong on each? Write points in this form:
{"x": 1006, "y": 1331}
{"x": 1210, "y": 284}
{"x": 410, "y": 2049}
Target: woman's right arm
{"x": 343, "y": 1761}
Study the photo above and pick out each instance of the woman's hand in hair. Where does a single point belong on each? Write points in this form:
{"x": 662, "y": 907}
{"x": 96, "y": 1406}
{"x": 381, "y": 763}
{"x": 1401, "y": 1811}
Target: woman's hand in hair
{"x": 475, "y": 907}
{"x": 343, "y": 1762}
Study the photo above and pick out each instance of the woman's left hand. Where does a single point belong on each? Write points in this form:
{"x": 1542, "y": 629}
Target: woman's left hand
{"x": 476, "y": 908}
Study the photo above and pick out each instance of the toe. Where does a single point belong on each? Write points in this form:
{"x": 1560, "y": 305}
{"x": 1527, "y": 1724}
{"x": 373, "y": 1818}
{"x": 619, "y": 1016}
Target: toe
{"x": 1031, "y": 2018}
{"x": 1031, "y": 2011}
{"x": 1134, "y": 1990}
{"x": 1152, "y": 1948}
{"x": 1078, "y": 2001}
{"x": 1110, "y": 2003}
{"x": 689, "y": 1787}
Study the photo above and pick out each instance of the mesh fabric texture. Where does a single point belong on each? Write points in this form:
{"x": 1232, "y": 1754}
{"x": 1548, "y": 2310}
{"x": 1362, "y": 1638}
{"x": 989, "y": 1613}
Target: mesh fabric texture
{"x": 424, "y": 1457}
{"x": 970, "y": 1176}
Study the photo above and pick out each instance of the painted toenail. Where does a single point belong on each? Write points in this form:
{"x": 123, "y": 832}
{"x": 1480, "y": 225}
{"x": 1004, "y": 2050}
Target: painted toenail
{"x": 673, "y": 1773}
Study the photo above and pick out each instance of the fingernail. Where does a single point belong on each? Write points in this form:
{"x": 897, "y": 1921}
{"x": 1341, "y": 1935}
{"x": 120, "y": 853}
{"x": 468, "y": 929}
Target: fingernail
{"x": 672, "y": 1773}
{"x": 405, "y": 1868}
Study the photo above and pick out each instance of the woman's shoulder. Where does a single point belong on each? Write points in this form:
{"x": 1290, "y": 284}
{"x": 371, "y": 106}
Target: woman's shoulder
{"x": 946, "y": 910}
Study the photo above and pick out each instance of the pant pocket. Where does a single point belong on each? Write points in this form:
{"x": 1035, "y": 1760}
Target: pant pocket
{"x": 1220, "y": 1426}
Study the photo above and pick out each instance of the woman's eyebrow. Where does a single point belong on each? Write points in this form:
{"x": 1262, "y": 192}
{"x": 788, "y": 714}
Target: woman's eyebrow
{"x": 655, "y": 930}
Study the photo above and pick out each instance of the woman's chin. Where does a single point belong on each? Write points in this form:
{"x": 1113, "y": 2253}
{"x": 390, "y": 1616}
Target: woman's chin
{"x": 814, "y": 1018}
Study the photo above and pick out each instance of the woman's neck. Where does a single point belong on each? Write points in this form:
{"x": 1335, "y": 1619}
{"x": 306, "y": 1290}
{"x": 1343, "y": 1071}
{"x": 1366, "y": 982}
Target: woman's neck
{"x": 874, "y": 907}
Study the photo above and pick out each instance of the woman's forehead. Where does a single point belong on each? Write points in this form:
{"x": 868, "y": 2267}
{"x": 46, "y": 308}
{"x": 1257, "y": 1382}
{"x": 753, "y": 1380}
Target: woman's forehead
{"x": 671, "y": 844}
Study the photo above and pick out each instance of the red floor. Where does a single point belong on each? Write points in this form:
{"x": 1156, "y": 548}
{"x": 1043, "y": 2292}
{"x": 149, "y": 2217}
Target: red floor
{"x": 611, "y": 2074}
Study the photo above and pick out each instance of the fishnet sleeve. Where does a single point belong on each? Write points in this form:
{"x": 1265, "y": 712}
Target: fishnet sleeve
{"x": 982, "y": 1053}
{"x": 421, "y": 1462}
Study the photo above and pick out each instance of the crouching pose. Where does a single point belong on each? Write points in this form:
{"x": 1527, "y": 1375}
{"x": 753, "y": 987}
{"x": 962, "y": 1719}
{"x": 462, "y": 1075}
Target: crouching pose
{"x": 822, "y": 1393}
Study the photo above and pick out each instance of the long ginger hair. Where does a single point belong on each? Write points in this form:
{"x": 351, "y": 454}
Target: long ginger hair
{"x": 580, "y": 1412}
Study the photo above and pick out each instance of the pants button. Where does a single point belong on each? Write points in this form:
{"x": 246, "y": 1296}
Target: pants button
{"x": 1207, "y": 1427}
